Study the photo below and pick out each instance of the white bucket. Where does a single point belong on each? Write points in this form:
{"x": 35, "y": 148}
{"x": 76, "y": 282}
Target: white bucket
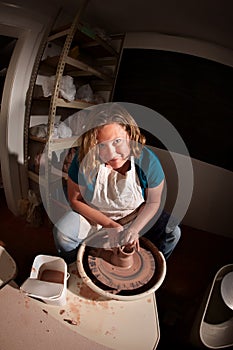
{"x": 48, "y": 280}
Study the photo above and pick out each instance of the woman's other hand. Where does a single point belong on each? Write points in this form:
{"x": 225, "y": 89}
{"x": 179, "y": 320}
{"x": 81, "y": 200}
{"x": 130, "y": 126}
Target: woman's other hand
{"x": 130, "y": 237}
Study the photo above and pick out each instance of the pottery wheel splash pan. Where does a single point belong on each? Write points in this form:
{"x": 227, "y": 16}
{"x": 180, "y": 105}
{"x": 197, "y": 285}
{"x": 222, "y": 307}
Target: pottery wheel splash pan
{"x": 146, "y": 272}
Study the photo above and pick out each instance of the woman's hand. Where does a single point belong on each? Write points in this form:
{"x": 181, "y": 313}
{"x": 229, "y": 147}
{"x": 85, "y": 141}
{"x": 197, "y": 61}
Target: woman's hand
{"x": 113, "y": 237}
{"x": 106, "y": 237}
{"x": 130, "y": 237}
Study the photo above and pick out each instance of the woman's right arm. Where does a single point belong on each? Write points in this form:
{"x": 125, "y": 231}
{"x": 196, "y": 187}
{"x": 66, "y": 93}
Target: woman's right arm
{"x": 79, "y": 205}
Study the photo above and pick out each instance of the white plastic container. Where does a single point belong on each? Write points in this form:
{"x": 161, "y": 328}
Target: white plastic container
{"x": 48, "y": 280}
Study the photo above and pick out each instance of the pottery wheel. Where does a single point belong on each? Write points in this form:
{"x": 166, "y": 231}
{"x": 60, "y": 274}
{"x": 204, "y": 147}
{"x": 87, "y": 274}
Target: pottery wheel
{"x": 124, "y": 278}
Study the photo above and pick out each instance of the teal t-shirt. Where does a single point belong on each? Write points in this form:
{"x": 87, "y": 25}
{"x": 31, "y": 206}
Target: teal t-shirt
{"x": 148, "y": 168}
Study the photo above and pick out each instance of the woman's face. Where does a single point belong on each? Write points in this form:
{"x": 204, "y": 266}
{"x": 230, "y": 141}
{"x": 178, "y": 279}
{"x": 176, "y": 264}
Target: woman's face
{"x": 114, "y": 145}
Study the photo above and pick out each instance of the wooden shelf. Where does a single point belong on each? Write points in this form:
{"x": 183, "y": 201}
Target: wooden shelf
{"x": 90, "y": 59}
{"x": 37, "y": 139}
{"x": 40, "y": 180}
{"x": 91, "y": 39}
{"x": 58, "y": 144}
{"x": 81, "y": 68}
{"x": 59, "y": 173}
{"x": 87, "y": 68}
{"x": 65, "y": 143}
{"x": 78, "y": 104}
{"x": 86, "y": 37}
{"x": 56, "y": 175}
{"x": 33, "y": 176}
{"x": 59, "y": 34}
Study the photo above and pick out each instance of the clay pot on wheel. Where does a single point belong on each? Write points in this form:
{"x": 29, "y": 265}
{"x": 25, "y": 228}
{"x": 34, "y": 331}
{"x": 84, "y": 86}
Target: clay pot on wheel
{"x": 125, "y": 275}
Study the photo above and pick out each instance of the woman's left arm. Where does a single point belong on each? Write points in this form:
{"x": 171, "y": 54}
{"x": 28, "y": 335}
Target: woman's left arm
{"x": 152, "y": 204}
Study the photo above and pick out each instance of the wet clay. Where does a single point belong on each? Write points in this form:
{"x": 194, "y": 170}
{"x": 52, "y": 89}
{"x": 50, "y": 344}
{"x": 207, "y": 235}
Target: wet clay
{"x": 125, "y": 269}
{"x": 52, "y": 276}
{"x": 123, "y": 257}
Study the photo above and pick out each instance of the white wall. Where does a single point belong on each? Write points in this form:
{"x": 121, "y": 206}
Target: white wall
{"x": 211, "y": 201}
{"x": 178, "y": 44}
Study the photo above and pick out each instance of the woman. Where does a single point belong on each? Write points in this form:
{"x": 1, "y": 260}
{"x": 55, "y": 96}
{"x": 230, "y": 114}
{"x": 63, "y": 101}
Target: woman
{"x": 112, "y": 176}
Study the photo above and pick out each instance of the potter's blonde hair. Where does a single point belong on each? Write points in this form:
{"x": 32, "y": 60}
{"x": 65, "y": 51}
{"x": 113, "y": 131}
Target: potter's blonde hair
{"x": 98, "y": 116}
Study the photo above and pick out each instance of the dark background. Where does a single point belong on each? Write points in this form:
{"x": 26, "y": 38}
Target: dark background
{"x": 193, "y": 93}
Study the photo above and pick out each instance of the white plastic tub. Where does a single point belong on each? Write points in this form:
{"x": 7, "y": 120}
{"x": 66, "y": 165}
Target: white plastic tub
{"x": 48, "y": 280}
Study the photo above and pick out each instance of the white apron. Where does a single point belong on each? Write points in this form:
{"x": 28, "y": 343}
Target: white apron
{"x": 117, "y": 195}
